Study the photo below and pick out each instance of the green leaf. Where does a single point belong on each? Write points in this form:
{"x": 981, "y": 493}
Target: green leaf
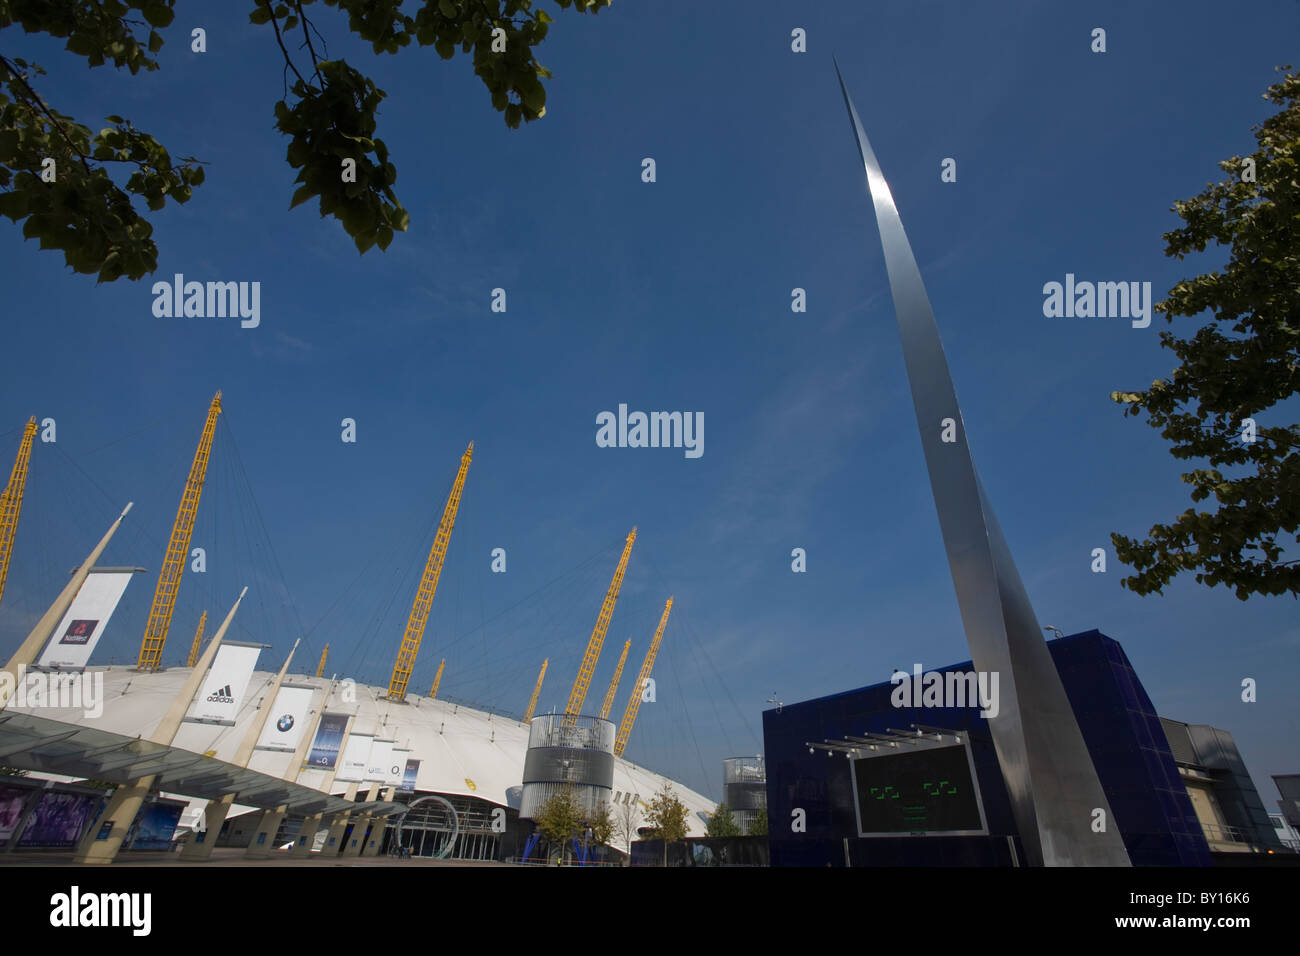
{"x": 158, "y": 14}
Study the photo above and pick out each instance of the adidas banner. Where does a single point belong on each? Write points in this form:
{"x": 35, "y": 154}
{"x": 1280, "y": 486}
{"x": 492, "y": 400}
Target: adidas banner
{"x": 287, "y": 721}
{"x": 377, "y": 764}
{"x": 352, "y": 765}
{"x": 222, "y": 691}
{"x": 72, "y": 642}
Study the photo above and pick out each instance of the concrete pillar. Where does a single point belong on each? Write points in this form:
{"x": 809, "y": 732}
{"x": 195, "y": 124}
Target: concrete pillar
{"x": 270, "y": 825}
{"x": 380, "y": 824}
{"x": 306, "y": 836}
{"x": 121, "y": 811}
{"x": 357, "y": 842}
{"x": 334, "y": 838}
{"x": 338, "y": 823}
{"x": 214, "y": 815}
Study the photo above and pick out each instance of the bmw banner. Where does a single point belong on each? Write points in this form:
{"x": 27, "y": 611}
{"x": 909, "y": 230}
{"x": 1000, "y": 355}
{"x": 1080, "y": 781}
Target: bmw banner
{"x": 287, "y": 721}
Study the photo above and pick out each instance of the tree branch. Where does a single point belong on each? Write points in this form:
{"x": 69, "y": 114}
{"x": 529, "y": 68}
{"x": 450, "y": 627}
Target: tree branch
{"x": 280, "y": 40}
{"x": 35, "y": 98}
{"x": 307, "y": 36}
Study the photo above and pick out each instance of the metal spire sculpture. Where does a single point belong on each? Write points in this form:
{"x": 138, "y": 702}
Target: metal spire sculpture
{"x": 1049, "y": 773}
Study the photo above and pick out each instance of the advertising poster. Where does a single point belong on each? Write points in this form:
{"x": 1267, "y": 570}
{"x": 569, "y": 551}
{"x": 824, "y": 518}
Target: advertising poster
{"x": 222, "y": 690}
{"x": 58, "y": 820}
{"x": 154, "y": 826}
{"x": 287, "y": 721}
{"x": 356, "y": 755}
{"x": 11, "y": 810}
{"x": 396, "y": 768}
{"x": 379, "y": 760}
{"x": 408, "y": 778}
{"x": 324, "y": 753}
{"x": 74, "y": 639}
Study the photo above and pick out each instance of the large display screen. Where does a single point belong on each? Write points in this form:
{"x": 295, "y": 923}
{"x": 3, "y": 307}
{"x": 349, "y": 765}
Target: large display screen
{"x": 917, "y": 791}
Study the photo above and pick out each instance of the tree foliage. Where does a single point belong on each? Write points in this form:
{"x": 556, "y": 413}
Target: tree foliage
{"x": 1241, "y": 366}
{"x": 758, "y": 826}
{"x": 329, "y": 115}
{"x": 722, "y": 823}
{"x": 666, "y": 818}
{"x": 601, "y": 822}
{"x": 560, "y": 818}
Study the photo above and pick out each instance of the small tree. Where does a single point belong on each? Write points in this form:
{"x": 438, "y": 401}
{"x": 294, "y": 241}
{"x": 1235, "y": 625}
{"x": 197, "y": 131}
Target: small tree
{"x": 601, "y": 823}
{"x": 559, "y": 819}
{"x": 626, "y": 818}
{"x": 667, "y": 818}
{"x": 758, "y": 826}
{"x": 722, "y": 823}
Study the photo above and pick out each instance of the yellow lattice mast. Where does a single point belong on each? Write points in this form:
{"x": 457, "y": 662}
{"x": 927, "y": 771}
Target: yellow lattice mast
{"x": 324, "y": 656}
{"x": 437, "y": 680}
{"x": 11, "y": 500}
{"x": 613, "y": 684}
{"x": 428, "y": 586}
{"x": 178, "y": 548}
{"x": 537, "y": 690}
{"x": 578, "y": 696}
{"x": 198, "y": 640}
{"x": 634, "y": 701}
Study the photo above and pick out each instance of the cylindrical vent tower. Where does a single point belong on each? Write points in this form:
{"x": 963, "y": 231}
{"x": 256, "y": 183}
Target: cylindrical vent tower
{"x": 567, "y": 751}
{"x": 744, "y": 788}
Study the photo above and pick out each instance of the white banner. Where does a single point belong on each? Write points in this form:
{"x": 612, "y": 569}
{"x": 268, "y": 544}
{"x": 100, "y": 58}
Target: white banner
{"x": 381, "y": 752}
{"x": 222, "y": 690}
{"x": 396, "y": 768}
{"x": 72, "y": 642}
{"x": 287, "y": 721}
{"x": 352, "y": 766}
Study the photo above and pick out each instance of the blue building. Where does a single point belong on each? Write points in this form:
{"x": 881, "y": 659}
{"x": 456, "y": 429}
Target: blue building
{"x": 807, "y": 745}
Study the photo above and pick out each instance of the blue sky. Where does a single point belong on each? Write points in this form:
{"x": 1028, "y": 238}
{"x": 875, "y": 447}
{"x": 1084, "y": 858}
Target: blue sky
{"x": 673, "y": 295}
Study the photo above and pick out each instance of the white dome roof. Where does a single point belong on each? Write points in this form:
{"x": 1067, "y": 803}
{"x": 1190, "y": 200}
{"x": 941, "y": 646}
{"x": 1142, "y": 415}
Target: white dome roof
{"x": 461, "y": 750}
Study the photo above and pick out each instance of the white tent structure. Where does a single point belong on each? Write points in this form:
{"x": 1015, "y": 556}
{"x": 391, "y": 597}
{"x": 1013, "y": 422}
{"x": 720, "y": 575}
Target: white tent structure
{"x": 462, "y": 752}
